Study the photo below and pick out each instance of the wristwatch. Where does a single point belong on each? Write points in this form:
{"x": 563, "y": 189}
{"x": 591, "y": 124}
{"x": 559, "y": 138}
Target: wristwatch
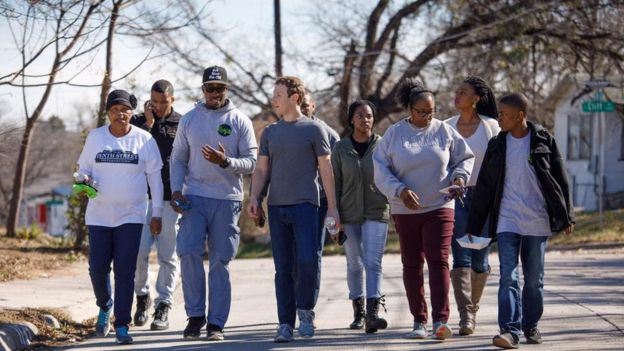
{"x": 225, "y": 163}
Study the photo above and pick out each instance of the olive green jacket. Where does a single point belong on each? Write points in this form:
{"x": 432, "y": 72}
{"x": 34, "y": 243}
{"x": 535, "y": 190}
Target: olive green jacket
{"x": 357, "y": 197}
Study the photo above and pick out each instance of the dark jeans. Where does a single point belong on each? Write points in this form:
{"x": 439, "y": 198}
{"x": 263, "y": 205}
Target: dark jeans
{"x": 463, "y": 257}
{"x": 119, "y": 245}
{"x": 520, "y": 309}
{"x": 296, "y": 244}
{"x": 426, "y": 236}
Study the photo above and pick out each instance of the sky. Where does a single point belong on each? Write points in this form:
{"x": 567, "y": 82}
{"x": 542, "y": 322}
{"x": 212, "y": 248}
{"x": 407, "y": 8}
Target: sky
{"x": 251, "y": 19}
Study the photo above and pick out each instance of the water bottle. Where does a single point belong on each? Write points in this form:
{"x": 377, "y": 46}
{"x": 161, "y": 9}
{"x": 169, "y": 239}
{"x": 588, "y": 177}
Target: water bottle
{"x": 330, "y": 225}
{"x": 182, "y": 204}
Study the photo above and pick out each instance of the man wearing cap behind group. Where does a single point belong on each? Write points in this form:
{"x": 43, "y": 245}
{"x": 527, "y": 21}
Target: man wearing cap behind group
{"x": 214, "y": 146}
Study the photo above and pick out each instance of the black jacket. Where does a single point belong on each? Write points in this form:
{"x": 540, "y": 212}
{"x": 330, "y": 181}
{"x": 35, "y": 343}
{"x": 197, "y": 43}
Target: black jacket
{"x": 551, "y": 175}
{"x": 164, "y": 132}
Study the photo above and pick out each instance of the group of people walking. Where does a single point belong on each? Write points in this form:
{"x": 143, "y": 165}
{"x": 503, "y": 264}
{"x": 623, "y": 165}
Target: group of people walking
{"x": 509, "y": 184}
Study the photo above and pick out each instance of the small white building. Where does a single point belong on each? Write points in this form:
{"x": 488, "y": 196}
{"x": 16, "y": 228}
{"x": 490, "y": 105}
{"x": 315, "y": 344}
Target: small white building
{"x": 591, "y": 143}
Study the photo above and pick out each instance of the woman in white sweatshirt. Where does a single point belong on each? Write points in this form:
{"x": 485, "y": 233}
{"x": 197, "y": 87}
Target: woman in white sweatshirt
{"x": 122, "y": 160}
{"x": 417, "y": 157}
{"x": 476, "y": 122}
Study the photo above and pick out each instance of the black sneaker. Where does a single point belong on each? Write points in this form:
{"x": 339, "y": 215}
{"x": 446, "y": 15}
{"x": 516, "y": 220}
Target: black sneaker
{"x": 214, "y": 332}
{"x": 194, "y": 327}
{"x": 143, "y": 304}
{"x": 533, "y": 336}
{"x": 505, "y": 340}
{"x": 161, "y": 317}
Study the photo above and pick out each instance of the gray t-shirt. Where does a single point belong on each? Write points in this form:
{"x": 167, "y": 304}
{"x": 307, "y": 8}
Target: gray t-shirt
{"x": 523, "y": 208}
{"x": 334, "y": 137}
{"x": 293, "y": 149}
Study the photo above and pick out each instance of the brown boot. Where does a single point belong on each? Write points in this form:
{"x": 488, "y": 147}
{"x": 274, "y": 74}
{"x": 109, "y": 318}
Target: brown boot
{"x": 460, "y": 277}
{"x": 478, "y": 285}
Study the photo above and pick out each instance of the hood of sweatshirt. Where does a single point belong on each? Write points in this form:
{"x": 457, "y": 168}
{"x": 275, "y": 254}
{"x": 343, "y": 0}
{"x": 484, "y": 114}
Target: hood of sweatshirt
{"x": 229, "y": 106}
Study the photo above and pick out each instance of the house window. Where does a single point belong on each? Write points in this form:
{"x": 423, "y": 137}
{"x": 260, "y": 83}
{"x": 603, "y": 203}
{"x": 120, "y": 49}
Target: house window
{"x": 579, "y": 135}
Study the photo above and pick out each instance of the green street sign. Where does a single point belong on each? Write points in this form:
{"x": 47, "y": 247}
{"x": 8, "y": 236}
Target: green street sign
{"x": 598, "y": 106}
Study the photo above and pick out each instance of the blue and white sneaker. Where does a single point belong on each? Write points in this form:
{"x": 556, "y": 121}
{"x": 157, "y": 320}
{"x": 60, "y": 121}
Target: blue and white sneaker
{"x": 306, "y": 323}
{"x": 284, "y": 333}
{"x": 419, "y": 332}
{"x": 122, "y": 337}
{"x": 102, "y": 326}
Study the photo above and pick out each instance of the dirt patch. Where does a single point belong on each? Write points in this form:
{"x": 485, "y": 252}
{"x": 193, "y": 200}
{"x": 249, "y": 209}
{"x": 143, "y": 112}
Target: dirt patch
{"x": 33, "y": 258}
{"x": 49, "y": 338}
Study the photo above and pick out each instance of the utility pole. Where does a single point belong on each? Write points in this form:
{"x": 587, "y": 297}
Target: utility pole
{"x": 278, "y": 38}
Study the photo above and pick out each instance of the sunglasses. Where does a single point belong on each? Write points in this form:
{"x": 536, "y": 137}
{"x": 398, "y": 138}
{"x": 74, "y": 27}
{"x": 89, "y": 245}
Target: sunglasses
{"x": 215, "y": 88}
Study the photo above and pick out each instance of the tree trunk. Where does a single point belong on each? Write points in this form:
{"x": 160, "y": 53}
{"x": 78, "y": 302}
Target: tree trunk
{"x": 345, "y": 85}
{"x": 19, "y": 178}
{"x": 278, "y": 37}
{"x": 106, "y": 81}
{"x": 22, "y": 159}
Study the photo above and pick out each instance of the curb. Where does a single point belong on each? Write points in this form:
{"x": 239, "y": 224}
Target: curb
{"x": 16, "y": 336}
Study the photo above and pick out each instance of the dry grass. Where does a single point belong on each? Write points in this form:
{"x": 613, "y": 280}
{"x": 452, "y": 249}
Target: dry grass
{"x": 32, "y": 258}
{"x": 49, "y": 338}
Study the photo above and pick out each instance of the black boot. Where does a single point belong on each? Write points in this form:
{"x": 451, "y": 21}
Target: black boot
{"x": 358, "y": 313}
{"x": 143, "y": 304}
{"x": 373, "y": 321}
{"x": 161, "y": 317}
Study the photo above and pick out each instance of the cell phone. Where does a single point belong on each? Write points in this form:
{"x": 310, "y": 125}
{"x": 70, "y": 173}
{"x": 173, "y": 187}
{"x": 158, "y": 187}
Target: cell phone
{"x": 342, "y": 237}
{"x": 261, "y": 221}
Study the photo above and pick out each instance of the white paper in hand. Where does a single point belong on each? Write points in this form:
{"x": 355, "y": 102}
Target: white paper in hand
{"x": 477, "y": 243}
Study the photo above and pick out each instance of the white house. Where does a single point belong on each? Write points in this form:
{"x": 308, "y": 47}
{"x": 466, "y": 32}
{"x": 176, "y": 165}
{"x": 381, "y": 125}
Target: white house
{"x": 592, "y": 143}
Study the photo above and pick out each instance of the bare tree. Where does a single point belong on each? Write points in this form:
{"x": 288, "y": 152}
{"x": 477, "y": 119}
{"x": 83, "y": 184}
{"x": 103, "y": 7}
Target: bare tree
{"x": 474, "y": 32}
{"x": 69, "y": 31}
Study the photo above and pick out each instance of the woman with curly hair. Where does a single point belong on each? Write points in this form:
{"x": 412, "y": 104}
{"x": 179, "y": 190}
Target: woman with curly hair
{"x": 122, "y": 160}
{"x": 417, "y": 157}
{"x": 476, "y": 122}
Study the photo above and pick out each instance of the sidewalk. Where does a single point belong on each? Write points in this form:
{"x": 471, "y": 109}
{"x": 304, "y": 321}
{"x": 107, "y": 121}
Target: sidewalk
{"x": 584, "y": 308}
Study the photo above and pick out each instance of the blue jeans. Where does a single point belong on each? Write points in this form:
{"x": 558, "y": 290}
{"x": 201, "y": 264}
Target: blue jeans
{"x": 322, "y": 212}
{"x": 119, "y": 245}
{"x": 463, "y": 257}
{"x": 215, "y": 221}
{"x": 296, "y": 243}
{"x": 520, "y": 309}
{"x": 168, "y": 261}
{"x": 364, "y": 249}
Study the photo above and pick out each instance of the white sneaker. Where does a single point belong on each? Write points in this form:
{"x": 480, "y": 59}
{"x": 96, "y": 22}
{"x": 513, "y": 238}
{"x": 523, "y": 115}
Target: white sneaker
{"x": 419, "y": 332}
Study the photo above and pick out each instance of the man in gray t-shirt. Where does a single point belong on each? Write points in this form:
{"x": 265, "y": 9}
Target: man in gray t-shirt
{"x": 291, "y": 152}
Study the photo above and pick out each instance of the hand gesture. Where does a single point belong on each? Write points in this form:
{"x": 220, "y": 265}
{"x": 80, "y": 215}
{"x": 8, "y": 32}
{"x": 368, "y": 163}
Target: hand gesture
{"x": 215, "y": 156}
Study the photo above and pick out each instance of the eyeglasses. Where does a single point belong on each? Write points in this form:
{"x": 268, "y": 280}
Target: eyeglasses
{"x": 423, "y": 113}
{"x": 214, "y": 88}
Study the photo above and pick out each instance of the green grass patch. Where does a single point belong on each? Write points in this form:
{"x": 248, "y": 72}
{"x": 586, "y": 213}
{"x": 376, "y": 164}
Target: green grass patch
{"x": 587, "y": 231}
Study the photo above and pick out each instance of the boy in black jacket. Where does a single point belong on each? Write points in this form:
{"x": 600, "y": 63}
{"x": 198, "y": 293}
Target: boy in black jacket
{"x": 523, "y": 189}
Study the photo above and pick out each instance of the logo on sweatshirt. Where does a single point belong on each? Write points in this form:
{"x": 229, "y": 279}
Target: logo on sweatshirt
{"x": 117, "y": 156}
{"x": 224, "y": 130}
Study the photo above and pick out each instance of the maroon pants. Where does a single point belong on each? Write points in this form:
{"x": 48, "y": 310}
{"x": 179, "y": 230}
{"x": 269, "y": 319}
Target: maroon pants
{"x": 426, "y": 236}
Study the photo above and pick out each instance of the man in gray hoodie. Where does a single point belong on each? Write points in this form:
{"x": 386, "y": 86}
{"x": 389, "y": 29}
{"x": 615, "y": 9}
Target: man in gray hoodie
{"x": 214, "y": 146}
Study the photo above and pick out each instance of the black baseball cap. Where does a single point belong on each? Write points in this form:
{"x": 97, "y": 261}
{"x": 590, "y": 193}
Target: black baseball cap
{"x": 121, "y": 97}
{"x": 215, "y": 74}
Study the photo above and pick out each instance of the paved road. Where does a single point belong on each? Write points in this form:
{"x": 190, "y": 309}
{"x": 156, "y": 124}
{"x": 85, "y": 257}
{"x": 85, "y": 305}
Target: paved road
{"x": 584, "y": 308}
